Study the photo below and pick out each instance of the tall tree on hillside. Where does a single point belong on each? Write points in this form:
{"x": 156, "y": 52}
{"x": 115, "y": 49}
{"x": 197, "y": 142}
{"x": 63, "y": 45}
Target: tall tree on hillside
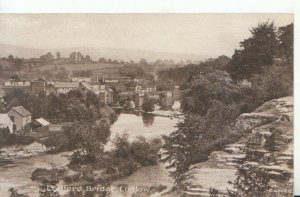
{"x": 57, "y": 55}
{"x": 47, "y": 58}
{"x": 79, "y": 57}
{"x": 256, "y": 52}
{"x": 11, "y": 58}
{"x": 87, "y": 58}
{"x": 72, "y": 57}
{"x": 286, "y": 39}
{"x": 102, "y": 60}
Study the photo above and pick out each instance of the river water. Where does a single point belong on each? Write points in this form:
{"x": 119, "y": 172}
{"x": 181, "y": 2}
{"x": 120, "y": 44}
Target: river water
{"x": 17, "y": 172}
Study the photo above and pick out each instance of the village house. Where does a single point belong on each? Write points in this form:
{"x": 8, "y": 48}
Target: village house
{"x": 20, "y": 117}
{"x": 40, "y": 125}
{"x": 17, "y": 84}
{"x": 6, "y": 122}
{"x": 38, "y": 86}
{"x": 63, "y": 87}
{"x": 141, "y": 87}
{"x": 105, "y": 74}
{"x": 94, "y": 87}
{"x": 81, "y": 79}
{"x": 106, "y": 94}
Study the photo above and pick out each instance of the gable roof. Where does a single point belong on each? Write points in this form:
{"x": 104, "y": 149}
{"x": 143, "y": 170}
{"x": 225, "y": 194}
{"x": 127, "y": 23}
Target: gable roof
{"x": 21, "y": 110}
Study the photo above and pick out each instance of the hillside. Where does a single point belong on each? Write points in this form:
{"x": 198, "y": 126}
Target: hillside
{"x": 96, "y": 53}
{"x": 83, "y": 66}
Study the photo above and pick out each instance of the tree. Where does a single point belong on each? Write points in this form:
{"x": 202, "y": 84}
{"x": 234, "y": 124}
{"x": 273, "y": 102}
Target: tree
{"x": 211, "y": 102}
{"x": 200, "y": 92}
{"x": 72, "y": 57}
{"x": 47, "y": 58}
{"x": 165, "y": 85}
{"x": 87, "y": 58}
{"x": 252, "y": 181}
{"x": 57, "y": 55}
{"x": 286, "y": 39}
{"x": 148, "y": 104}
{"x": 79, "y": 57}
{"x": 90, "y": 138}
{"x": 102, "y": 60}
{"x": 92, "y": 99}
{"x": 18, "y": 63}
{"x": 256, "y": 52}
{"x": 11, "y": 58}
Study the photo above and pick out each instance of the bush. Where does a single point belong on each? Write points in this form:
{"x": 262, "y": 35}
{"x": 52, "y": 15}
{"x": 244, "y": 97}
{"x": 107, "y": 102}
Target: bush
{"x": 141, "y": 150}
{"x": 275, "y": 81}
{"x": 41, "y": 174}
{"x": 7, "y": 138}
{"x": 148, "y": 105}
{"x": 251, "y": 180}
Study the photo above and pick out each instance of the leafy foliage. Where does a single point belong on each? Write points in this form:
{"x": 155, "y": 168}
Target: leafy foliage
{"x": 141, "y": 150}
{"x": 258, "y": 51}
{"x": 251, "y": 180}
{"x": 90, "y": 139}
{"x": 212, "y": 102}
{"x": 73, "y": 106}
{"x": 7, "y": 138}
{"x": 274, "y": 82}
{"x": 181, "y": 74}
{"x": 201, "y": 91}
{"x": 148, "y": 104}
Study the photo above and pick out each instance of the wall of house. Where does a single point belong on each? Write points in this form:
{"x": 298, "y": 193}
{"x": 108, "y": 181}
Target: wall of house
{"x": 27, "y": 120}
{"x": 17, "y": 119}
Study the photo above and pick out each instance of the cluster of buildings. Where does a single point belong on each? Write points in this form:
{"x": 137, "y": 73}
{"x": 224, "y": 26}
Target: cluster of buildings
{"x": 107, "y": 83}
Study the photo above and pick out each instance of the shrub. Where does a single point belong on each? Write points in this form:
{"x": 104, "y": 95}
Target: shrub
{"x": 141, "y": 150}
{"x": 148, "y": 104}
{"x": 251, "y": 180}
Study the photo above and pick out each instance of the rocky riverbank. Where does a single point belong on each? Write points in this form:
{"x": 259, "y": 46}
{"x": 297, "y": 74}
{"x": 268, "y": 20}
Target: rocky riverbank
{"x": 267, "y": 145}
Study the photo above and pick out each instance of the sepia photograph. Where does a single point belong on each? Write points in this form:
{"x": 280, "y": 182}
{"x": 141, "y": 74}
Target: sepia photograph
{"x": 146, "y": 105}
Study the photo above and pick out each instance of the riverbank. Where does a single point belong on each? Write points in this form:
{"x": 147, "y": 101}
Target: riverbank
{"x": 17, "y": 174}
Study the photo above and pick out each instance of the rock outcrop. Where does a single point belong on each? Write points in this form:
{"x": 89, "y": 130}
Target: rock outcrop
{"x": 267, "y": 145}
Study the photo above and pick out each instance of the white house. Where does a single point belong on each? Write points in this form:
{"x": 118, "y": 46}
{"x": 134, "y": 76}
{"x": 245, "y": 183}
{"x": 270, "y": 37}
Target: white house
{"x": 6, "y": 122}
{"x": 20, "y": 117}
{"x": 63, "y": 87}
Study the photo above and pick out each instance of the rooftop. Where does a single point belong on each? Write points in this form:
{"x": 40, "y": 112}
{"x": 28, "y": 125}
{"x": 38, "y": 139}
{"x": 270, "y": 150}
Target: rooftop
{"x": 42, "y": 121}
{"x": 21, "y": 110}
{"x": 66, "y": 84}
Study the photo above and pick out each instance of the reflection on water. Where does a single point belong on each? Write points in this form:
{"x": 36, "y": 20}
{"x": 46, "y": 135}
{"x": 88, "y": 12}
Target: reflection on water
{"x": 148, "y": 119}
{"x": 147, "y": 126}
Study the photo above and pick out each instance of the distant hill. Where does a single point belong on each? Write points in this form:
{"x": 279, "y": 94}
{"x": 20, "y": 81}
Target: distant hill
{"x": 96, "y": 53}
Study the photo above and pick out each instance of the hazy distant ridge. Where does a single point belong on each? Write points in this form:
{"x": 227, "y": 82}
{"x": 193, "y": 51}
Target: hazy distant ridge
{"x": 96, "y": 53}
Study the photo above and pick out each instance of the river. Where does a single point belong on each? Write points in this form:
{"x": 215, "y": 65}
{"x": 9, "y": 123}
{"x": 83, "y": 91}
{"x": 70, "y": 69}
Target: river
{"x": 16, "y": 172}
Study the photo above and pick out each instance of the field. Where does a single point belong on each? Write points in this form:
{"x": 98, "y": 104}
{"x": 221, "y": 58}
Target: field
{"x": 86, "y": 66}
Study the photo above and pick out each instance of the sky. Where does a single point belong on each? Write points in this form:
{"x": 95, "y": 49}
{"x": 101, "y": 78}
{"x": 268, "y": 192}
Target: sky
{"x": 207, "y": 34}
